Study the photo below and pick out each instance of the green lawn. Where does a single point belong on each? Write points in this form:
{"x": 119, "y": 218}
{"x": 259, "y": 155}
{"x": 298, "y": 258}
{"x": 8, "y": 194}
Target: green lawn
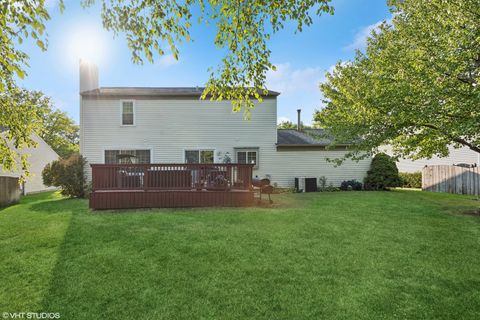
{"x": 344, "y": 255}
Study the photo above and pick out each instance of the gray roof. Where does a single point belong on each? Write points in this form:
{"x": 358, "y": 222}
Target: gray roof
{"x": 305, "y": 138}
{"x": 151, "y": 92}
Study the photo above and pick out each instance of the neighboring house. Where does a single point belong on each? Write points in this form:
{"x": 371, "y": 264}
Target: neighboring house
{"x": 38, "y": 158}
{"x": 457, "y": 156}
{"x": 173, "y": 125}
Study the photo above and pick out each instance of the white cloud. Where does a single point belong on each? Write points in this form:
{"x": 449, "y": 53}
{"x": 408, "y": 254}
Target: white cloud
{"x": 283, "y": 119}
{"x": 287, "y": 80}
{"x": 360, "y": 39}
{"x": 167, "y": 60}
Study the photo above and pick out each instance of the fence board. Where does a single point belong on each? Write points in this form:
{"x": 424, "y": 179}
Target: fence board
{"x": 451, "y": 179}
{"x": 9, "y": 190}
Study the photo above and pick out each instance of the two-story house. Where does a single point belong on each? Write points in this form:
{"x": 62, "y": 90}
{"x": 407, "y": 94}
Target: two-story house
{"x": 173, "y": 125}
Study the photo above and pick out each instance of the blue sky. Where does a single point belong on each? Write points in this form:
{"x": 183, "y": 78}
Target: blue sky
{"x": 301, "y": 59}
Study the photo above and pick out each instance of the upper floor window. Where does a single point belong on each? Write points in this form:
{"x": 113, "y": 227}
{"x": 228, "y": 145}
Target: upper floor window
{"x": 128, "y": 113}
{"x": 199, "y": 156}
{"x": 247, "y": 156}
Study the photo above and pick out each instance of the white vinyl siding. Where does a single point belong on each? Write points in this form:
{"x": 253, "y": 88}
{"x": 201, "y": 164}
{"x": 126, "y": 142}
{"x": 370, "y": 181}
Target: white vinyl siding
{"x": 38, "y": 158}
{"x": 456, "y": 156}
{"x": 170, "y": 127}
{"x": 294, "y": 162}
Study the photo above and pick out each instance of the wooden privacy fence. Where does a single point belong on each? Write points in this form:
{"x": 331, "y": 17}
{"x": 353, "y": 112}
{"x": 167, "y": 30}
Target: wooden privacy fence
{"x": 9, "y": 190}
{"x": 451, "y": 179}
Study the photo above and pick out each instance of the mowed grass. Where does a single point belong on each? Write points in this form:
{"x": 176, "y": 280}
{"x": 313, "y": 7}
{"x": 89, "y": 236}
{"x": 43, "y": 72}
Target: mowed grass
{"x": 345, "y": 255}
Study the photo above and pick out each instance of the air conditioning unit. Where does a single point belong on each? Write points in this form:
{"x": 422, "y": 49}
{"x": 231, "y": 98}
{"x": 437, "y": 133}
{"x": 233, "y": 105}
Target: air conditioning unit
{"x": 305, "y": 184}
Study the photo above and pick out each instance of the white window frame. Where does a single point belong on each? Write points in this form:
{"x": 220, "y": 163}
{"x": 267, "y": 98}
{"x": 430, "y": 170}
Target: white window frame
{"x": 199, "y": 150}
{"x": 127, "y": 148}
{"x": 134, "y": 113}
{"x": 247, "y": 150}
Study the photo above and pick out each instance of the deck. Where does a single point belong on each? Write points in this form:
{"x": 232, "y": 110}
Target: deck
{"x": 129, "y": 186}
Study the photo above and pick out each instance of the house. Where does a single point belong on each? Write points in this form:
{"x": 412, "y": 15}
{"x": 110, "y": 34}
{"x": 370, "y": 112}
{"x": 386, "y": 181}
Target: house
{"x": 38, "y": 158}
{"x": 456, "y": 156}
{"x": 173, "y": 125}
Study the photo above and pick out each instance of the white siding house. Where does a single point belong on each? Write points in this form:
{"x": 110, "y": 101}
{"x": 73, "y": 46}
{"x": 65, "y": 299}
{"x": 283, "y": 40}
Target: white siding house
{"x": 38, "y": 158}
{"x": 456, "y": 156}
{"x": 173, "y": 125}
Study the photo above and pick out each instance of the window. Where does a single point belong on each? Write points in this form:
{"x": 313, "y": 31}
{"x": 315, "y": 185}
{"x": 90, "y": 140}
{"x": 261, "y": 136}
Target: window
{"x": 199, "y": 156}
{"x": 247, "y": 156}
{"x": 127, "y": 156}
{"x": 128, "y": 113}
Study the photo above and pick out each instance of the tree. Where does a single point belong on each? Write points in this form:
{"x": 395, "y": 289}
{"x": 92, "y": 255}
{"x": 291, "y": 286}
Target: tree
{"x": 19, "y": 119}
{"x": 243, "y": 29}
{"x": 68, "y": 174}
{"x": 286, "y": 125}
{"x": 415, "y": 86}
{"x": 290, "y": 125}
{"x": 58, "y": 129}
{"x": 30, "y": 112}
{"x": 383, "y": 173}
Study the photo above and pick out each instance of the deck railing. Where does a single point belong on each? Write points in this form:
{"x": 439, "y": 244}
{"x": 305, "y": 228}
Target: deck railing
{"x": 171, "y": 176}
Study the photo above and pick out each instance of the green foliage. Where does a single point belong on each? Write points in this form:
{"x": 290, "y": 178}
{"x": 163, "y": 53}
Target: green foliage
{"x": 411, "y": 179}
{"x": 416, "y": 86}
{"x": 18, "y": 121}
{"x": 383, "y": 173}
{"x": 242, "y": 31}
{"x": 151, "y": 28}
{"x": 350, "y": 185}
{"x": 58, "y": 129}
{"x": 286, "y": 125}
{"x": 19, "y": 20}
{"x": 68, "y": 174}
{"x": 24, "y": 113}
{"x": 324, "y": 187}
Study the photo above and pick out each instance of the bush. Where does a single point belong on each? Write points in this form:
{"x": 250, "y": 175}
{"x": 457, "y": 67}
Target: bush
{"x": 411, "y": 179}
{"x": 322, "y": 183}
{"x": 351, "y": 185}
{"x": 383, "y": 173}
{"x": 68, "y": 174}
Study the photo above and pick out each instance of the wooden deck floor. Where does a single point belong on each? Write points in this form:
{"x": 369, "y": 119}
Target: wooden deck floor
{"x": 131, "y": 199}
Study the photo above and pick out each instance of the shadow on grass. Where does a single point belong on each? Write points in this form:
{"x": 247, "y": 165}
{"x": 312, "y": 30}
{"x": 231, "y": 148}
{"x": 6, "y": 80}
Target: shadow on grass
{"x": 334, "y": 260}
{"x": 59, "y": 205}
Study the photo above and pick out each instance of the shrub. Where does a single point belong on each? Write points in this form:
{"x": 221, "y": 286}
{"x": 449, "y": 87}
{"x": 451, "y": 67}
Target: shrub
{"x": 322, "y": 183}
{"x": 351, "y": 185}
{"x": 330, "y": 188}
{"x": 383, "y": 173}
{"x": 411, "y": 179}
{"x": 68, "y": 174}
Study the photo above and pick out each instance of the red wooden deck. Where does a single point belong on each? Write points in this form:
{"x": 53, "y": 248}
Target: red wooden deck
{"x": 171, "y": 186}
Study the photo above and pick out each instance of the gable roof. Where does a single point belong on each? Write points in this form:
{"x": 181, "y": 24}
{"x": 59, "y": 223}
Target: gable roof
{"x": 304, "y": 138}
{"x": 149, "y": 92}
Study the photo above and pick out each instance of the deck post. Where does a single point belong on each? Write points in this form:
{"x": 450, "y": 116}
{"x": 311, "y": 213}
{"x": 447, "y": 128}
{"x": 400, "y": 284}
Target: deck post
{"x": 145, "y": 178}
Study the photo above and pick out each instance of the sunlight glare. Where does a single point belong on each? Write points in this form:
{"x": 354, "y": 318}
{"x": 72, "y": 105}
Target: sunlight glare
{"x": 88, "y": 42}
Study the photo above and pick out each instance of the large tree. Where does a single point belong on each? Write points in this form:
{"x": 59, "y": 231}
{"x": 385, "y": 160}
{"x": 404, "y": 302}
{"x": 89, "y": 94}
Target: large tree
{"x": 31, "y": 112}
{"x": 152, "y": 28}
{"x": 416, "y": 85}
{"x": 57, "y": 129}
